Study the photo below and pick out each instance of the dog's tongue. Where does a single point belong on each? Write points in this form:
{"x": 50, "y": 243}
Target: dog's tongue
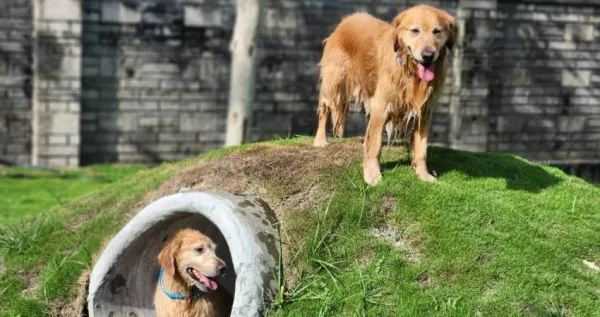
{"x": 426, "y": 73}
{"x": 208, "y": 282}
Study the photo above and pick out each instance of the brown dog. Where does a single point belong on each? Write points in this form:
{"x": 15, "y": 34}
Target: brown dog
{"x": 399, "y": 67}
{"x": 187, "y": 283}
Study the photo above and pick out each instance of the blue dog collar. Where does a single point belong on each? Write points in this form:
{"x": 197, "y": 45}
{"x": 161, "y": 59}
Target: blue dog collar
{"x": 180, "y": 296}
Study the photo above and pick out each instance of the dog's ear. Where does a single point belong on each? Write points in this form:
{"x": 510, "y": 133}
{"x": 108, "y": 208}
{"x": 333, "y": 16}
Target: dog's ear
{"x": 167, "y": 256}
{"x": 452, "y": 32}
{"x": 396, "y": 43}
{"x": 397, "y": 21}
{"x": 450, "y": 25}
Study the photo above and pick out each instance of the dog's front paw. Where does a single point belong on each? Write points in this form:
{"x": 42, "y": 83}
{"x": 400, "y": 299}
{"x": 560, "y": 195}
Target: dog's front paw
{"x": 320, "y": 142}
{"x": 372, "y": 175}
{"x": 427, "y": 177}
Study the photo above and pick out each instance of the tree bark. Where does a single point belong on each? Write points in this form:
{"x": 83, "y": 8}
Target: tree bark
{"x": 457, "y": 61}
{"x": 241, "y": 84}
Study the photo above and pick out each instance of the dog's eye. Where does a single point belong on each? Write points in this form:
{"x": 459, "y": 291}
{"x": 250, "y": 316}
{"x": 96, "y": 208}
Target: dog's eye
{"x": 415, "y": 31}
{"x": 200, "y": 249}
{"x": 437, "y": 31}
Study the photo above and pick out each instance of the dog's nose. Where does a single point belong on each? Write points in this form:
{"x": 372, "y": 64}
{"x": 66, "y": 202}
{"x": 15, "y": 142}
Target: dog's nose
{"x": 427, "y": 56}
{"x": 222, "y": 269}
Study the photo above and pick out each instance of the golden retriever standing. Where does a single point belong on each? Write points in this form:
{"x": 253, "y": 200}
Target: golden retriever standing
{"x": 401, "y": 69}
{"x": 187, "y": 285}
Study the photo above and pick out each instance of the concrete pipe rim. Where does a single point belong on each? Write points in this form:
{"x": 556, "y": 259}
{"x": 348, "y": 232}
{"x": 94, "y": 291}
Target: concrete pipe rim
{"x": 247, "y": 224}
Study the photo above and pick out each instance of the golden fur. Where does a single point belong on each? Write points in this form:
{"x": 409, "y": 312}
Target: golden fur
{"x": 190, "y": 249}
{"x": 361, "y": 60}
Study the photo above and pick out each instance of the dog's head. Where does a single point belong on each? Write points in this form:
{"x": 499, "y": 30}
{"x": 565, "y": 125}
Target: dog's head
{"x": 425, "y": 31}
{"x": 191, "y": 256}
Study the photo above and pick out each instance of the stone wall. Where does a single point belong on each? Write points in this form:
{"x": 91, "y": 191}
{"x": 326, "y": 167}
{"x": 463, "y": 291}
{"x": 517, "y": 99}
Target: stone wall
{"x": 146, "y": 81}
{"x": 16, "y": 27}
{"x": 154, "y": 80}
{"x": 537, "y": 64}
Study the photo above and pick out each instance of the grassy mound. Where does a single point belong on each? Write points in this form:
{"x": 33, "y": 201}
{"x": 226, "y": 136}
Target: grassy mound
{"x": 496, "y": 236}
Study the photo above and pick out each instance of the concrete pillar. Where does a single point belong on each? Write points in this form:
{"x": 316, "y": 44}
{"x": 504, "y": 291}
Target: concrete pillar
{"x": 57, "y": 82}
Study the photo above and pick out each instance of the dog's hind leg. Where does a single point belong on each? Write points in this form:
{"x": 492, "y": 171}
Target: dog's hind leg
{"x": 390, "y": 130}
{"x": 339, "y": 112}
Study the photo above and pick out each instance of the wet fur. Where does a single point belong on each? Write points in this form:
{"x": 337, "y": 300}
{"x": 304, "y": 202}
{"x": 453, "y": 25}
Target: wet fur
{"x": 361, "y": 55}
{"x": 213, "y": 304}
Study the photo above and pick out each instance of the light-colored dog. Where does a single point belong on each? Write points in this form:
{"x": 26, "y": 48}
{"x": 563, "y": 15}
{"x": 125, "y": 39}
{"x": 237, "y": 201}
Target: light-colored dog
{"x": 187, "y": 284}
{"x": 398, "y": 68}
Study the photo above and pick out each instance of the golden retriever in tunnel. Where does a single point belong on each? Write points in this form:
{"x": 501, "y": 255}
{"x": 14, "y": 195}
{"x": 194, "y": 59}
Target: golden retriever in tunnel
{"x": 188, "y": 280}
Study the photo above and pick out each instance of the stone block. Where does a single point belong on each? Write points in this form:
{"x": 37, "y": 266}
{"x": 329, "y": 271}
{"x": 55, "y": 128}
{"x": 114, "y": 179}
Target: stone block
{"x": 63, "y": 123}
{"x": 57, "y": 140}
{"x": 60, "y": 10}
{"x": 73, "y": 161}
{"x": 189, "y": 123}
{"x": 59, "y": 150}
{"x": 57, "y": 106}
{"x": 211, "y": 137}
{"x": 177, "y": 137}
{"x": 571, "y": 124}
{"x": 196, "y": 16}
{"x": 168, "y": 121}
{"x": 108, "y": 121}
{"x": 164, "y": 147}
{"x": 510, "y": 123}
{"x": 128, "y": 121}
{"x": 58, "y": 162}
{"x": 594, "y": 123}
{"x": 541, "y": 124}
{"x": 480, "y": 4}
{"x": 138, "y": 137}
{"x": 74, "y": 139}
{"x": 138, "y": 105}
{"x": 130, "y": 148}
{"x": 117, "y": 12}
{"x": 576, "y": 78}
{"x": 579, "y": 32}
{"x": 148, "y": 122}
{"x": 107, "y": 66}
{"x": 555, "y": 45}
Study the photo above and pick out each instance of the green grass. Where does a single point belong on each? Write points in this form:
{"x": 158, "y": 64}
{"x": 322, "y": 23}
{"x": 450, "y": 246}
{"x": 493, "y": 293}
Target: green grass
{"x": 496, "y": 236}
{"x": 26, "y": 193}
{"x": 34, "y": 232}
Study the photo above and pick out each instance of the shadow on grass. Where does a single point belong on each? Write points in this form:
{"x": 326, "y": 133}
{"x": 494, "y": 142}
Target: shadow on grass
{"x": 518, "y": 173}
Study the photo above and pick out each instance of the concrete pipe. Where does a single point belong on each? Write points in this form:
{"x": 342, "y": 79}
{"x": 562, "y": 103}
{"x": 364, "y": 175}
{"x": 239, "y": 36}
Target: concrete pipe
{"x": 123, "y": 280}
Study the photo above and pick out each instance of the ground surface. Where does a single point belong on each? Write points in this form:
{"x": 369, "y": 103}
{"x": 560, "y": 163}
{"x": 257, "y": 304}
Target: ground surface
{"x": 26, "y": 193}
{"x": 496, "y": 236}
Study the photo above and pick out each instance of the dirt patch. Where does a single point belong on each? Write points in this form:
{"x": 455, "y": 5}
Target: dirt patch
{"x": 285, "y": 176}
{"x": 409, "y": 239}
{"x": 483, "y": 259}
{"x": 388, "y": 204}
{"x": 426, "y": 281}
{"x": 77, "y": 305}
{"x": 366, "y": 256}
{"x": 30, "y": 282}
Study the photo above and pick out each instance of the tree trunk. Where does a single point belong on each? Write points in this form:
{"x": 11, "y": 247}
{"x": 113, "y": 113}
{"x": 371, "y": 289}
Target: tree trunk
{"x": 457, "y": 60}
{"x": 241, "y": 84}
